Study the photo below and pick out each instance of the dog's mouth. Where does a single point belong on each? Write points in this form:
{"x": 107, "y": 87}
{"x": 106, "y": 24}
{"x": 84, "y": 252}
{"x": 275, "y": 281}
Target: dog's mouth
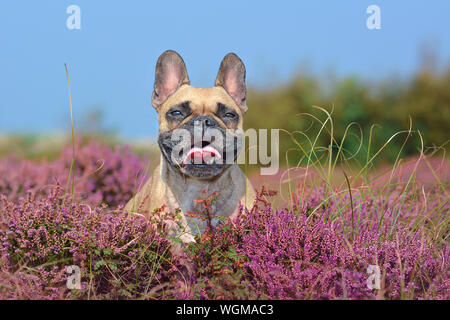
{"x": 203, "y": 156}
{"x": 202, "y": 159}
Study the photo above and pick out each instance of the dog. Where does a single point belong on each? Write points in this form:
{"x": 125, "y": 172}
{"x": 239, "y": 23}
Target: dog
{"x": 193, "y": 167}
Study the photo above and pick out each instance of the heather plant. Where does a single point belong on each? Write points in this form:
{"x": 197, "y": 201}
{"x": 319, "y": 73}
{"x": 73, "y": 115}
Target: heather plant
{"x": 120, "y": 256}
{"x": 316, "y": 252}
{"x": 219, "y": 273}
{"x": 102, "y": 175}
{"x": 317, "y": 246}
{"x": 320, "y": 255}
{"x": 336, "y": 220}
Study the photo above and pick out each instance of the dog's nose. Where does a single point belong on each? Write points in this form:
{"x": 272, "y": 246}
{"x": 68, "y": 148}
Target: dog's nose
{"x": 206, "y": 121}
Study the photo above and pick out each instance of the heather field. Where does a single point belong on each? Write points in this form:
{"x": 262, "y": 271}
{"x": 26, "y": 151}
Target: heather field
{"x": 315, "y": 232}
{"x": 336, "y": 112}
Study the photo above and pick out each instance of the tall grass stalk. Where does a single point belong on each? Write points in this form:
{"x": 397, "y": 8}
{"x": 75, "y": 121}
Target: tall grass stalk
{"x": 72, "y": 166}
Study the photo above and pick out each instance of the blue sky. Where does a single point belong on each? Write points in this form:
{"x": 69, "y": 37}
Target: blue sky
{"x": 111, "y": 58}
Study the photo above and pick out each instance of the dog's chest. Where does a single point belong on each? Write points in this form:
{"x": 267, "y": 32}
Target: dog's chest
{"x": 196, "y": 204}
{"x": 221, "y": 196}
{"x": 197, "y": 195}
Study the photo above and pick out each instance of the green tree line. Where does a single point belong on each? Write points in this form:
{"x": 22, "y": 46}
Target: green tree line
{"x": 388, "y": 103}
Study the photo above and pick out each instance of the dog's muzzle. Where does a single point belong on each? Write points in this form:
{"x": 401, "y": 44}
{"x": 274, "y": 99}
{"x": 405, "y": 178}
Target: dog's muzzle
{"x": 200, "y": 148}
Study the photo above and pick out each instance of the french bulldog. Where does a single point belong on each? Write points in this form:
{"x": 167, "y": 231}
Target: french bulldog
{"x": 200, "y": 136}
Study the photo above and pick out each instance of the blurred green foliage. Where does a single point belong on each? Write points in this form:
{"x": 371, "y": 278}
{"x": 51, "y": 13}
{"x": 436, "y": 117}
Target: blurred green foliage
{"x": 388, "y": 103}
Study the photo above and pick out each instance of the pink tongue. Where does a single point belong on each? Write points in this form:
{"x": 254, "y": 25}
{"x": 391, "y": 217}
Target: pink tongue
{"x": 202, "y": 155}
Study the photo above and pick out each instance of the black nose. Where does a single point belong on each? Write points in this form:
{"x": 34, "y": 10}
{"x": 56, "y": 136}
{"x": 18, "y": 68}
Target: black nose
{"x": 206, "y": 121}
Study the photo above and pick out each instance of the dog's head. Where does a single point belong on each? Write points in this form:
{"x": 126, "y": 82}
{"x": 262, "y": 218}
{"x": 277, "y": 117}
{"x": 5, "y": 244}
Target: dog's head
{"x": 200, "y": 132}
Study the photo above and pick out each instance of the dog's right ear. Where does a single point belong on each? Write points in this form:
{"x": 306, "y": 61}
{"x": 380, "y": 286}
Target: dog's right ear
{"x": 170, "y": 74}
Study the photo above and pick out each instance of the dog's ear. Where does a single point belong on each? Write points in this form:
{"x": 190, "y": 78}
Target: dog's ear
{"x": 170, "y": 74}
{"x": 231, "y": 77}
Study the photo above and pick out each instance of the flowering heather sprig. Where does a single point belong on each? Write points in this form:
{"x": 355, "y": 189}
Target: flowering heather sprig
{"x": 203, "y": 208}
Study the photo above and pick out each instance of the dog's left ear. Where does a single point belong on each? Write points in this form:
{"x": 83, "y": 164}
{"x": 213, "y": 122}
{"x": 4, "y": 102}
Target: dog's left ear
{"x": 231, "y": 77}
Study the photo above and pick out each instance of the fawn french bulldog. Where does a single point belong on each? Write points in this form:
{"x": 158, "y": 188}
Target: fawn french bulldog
{"x": 200, "y": 137}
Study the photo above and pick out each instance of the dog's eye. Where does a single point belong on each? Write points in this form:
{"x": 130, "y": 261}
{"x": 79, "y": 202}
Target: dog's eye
{"x": 230, "y": 115}
{"x": 175, "y": 113}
